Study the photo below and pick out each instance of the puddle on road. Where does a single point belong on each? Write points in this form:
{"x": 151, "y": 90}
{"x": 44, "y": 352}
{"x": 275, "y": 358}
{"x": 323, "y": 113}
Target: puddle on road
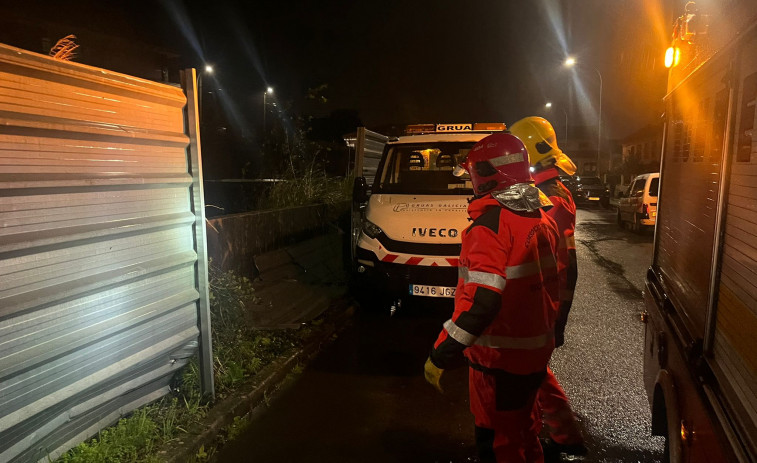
{"x": 616, "y": 277}
{"x": 603, "y": 231}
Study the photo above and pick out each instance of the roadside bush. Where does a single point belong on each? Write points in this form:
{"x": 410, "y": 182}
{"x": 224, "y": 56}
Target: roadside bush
{"x": 310, "y": 188}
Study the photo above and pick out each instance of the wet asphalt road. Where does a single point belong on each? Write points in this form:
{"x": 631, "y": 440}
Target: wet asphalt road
{"x": 364, "y": 398}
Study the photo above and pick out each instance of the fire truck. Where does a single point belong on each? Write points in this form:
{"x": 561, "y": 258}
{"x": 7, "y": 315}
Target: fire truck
{"x": 408, "y": 222}
{"x": 700, "y": 351}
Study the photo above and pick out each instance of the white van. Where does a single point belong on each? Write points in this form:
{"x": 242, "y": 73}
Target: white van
{"x": 638, "y": 204}
{"x": 415, "y": 212}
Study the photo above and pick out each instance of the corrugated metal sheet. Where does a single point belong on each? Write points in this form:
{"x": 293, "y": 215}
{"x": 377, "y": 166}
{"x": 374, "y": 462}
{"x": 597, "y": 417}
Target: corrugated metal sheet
{"x": 100, "y": 282}
{"x": 369, "y": 148}
{"x": 690, "y": 183}
{"x": 735, "y": 345}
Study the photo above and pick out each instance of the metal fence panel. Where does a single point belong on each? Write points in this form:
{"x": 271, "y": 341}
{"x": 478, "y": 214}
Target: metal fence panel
{"x": 100, "y": 281}
{"x": 369, "y": 147}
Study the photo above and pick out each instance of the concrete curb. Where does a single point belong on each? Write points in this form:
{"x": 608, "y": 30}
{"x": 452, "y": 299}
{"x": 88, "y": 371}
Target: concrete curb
{"x": 267, "y": 381}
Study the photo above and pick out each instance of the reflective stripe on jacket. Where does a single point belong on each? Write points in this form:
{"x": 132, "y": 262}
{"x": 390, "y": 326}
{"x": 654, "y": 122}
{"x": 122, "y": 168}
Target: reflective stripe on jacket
{"x": 507, "y": 292}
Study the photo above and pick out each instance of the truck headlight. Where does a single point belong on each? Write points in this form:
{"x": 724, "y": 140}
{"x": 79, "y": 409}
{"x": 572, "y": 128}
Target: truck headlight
{"x": 371, "y": 229}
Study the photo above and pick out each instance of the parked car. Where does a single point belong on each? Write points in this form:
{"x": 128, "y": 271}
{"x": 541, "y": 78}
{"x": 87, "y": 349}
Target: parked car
{"x": 569, "y": 182}
{"x": 638, "y": 204}
{"x": 591, "y": 190}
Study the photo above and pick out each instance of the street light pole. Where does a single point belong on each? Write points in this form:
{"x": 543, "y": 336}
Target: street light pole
{"x": 265, "y": 94}
{"x": 570, "y": 62}
{"x": 599, "y": 122}
{"x": 208, "y": 70}
{"x": 548, "y": 105}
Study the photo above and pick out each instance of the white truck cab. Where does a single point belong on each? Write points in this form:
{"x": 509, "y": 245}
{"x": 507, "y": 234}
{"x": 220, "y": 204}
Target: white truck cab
{"x": 412, "y": 219}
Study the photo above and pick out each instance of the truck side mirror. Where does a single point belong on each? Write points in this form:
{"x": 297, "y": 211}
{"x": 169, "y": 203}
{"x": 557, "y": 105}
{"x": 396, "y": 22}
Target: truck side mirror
{"x": 359, "y": 190}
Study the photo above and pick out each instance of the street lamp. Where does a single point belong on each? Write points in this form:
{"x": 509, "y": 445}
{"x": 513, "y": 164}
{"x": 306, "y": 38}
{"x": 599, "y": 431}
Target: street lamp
{"x": 208, "y": 70}
{"x": 548, "y": 105}
{"x": 268, "y": 91}
{"x": 569, "y": 63}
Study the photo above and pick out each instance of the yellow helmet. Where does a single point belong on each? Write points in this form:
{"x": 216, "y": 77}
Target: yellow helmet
{"x": 541, "y": 142}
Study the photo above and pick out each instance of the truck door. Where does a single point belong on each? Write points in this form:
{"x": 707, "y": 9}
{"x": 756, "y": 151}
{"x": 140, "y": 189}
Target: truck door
{"x": 369, "y": 147}
{"x": 689, "y": 194}
{"x": 732, "y": 347}
{"x": 626, "y": 202}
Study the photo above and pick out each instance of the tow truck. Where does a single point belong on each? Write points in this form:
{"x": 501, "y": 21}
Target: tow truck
{"x": 408, "y": 223}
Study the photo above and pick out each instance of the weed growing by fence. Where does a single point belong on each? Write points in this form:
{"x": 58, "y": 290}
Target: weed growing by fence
{"x": 239, "y": 353}
{"x": 311, "y": 187}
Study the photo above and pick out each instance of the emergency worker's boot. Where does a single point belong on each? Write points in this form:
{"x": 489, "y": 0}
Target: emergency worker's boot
{"x": 552, "y": 449}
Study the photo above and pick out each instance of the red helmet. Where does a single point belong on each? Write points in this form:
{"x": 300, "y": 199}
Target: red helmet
{"x": 497, "y": 162}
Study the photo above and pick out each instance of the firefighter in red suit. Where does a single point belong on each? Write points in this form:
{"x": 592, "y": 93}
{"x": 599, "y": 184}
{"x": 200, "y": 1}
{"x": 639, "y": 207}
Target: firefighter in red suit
{"x": 547, "y": 161}
{"x": 506, "y": 301}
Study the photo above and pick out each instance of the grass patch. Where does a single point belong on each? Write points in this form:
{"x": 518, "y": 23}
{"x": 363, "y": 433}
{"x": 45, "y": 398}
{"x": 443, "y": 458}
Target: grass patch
{"x": 239, "y": 353}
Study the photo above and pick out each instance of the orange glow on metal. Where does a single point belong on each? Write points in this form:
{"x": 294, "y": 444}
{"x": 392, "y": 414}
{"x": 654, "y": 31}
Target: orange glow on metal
{"x": 686, "y": 433}
{"x": 489, "y": 126}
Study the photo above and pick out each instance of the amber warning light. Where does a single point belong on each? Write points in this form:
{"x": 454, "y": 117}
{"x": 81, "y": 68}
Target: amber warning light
{"x": 672, "y": 57}
{"x": 420, "y": 128}
{"x": 487, "y": 126}
{"x": 460, "y": 127}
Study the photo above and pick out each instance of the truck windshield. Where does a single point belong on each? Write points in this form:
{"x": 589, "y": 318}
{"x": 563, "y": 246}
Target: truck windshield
{"x": 423, "y": 169}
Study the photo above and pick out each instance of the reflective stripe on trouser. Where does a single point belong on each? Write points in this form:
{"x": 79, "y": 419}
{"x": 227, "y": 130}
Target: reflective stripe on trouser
{"x": 499, "y": 342}
{"x": 558, "y": 417}
{"x": 503, "y": 435}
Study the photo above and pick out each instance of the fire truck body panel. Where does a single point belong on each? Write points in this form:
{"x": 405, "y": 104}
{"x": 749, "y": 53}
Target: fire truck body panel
{"x": 700, "y": 357}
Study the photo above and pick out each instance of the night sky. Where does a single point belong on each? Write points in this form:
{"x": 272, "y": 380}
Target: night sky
{"x": 408, "y": 61}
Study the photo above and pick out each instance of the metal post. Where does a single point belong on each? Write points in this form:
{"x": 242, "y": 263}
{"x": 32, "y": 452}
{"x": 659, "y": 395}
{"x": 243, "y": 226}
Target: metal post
{"x": 566, "y": 124}
{"x": 359, "y": 151}
{"x": 199, "y": 96}
{"x": 264, "y": 95}
{"x": 189, "y": 83}
{"x": 599, "y": 121}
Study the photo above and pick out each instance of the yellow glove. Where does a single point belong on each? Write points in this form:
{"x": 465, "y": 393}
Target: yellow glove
{"x": 433, "y": 374}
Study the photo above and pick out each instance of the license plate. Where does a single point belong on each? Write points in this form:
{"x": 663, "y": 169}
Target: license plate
{"x": 432, "y": 291}
{"x": 593, "y": 198}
